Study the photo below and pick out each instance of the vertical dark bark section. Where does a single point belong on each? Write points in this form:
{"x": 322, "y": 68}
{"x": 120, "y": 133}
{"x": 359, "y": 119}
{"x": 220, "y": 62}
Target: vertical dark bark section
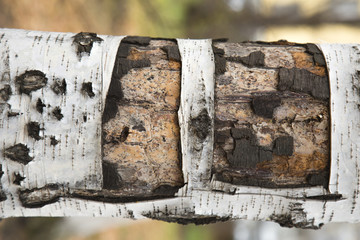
{"x": 111, "y": 178}
{"x": 18, "y": 153}
{"x": 142, "y": 101}
{"x": 121, "y": 68}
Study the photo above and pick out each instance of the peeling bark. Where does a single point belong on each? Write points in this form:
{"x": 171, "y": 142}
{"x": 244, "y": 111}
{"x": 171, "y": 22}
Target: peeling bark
{"x": 140, "y": 128}
{"x": 294, "y": 144}
{"x": 186, "y": 131}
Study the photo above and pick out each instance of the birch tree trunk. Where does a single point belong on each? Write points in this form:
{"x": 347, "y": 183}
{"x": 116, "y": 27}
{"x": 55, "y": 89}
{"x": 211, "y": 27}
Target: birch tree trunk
{"x": 187, "y": 131}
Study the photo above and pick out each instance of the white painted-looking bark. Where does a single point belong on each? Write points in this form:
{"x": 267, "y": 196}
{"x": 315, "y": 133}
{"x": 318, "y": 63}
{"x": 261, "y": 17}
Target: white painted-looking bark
{"x": 197, "y": 95}
{"x": 76, "y": 160}
{"x": 342, "y": 62}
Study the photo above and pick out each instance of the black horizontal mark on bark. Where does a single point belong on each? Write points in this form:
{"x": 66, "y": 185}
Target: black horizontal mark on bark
{"x": 31, "y": 80}
{"x": 303, "y": 81}
{"x": 84, "y": 42}
{"x": 18, "y": 153}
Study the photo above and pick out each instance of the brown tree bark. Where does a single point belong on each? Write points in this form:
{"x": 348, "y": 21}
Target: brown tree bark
{"x": 269, "y": 132}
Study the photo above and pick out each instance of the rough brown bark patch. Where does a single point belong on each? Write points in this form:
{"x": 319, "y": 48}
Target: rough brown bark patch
{"x": 283, "y": 105}
{"x": 140, "y": 128}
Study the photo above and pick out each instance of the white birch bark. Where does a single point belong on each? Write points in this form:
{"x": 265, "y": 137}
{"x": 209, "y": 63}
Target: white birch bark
{"x": 196, "y": 111}
{"x": 75, "y": 160}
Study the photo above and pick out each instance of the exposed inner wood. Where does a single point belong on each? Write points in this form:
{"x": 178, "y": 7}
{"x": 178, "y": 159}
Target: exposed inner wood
{"x": 268, "y": 136}
{"x": 141, "y": 142}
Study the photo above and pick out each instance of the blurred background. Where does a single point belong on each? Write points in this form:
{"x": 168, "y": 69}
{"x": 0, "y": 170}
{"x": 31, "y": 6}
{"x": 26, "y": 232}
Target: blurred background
{"x": 316, "y": 21}
{"x": 238, "y": 20}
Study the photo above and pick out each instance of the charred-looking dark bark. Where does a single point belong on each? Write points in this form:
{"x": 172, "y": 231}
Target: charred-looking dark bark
{"x": 318, "y": 179}
{"x": 165, "y": 190}
{"x": 318, "y": 56}
{"x": 137, "y": 41}
{"x": 18, "y": 153}
{"x": 84, "y": 42}
{"x": 220, "y": 61}
{"x": 53, "y": 141}
{"x": 190, "y": 218}
{"x": 40, "y": 106}
{"x": 122, "y": 66}
{"x": 5, "y": 93}
{"x": 254, "y": 59}
{"x": 303, "y": 81}
{"x": 172, "y": 53}
{"x": 31, "y": 80}
{"x": 87, "y": 89}
{"x": 57, "y": 113}
{"x": 284, "y": 146}
{"x": 247, "y": 153}
{"x": 39, "y": 197}
{"x": 59, "y": 86}
{"x": 266, "y": 109}
{"x": 264, "y": 106}
{"x": 33, "y": 129}
{"x": 18, "y": 178}
{"x": 201, "y": 124}
{"x": 111, "y": 178}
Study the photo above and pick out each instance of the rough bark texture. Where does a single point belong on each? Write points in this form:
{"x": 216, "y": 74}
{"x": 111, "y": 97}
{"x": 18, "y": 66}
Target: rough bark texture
{"x": 187, "y": 131}
{"x": 141, "y": 155}
{"x": 141, "y": 141}
{"x": 272, "y": 116}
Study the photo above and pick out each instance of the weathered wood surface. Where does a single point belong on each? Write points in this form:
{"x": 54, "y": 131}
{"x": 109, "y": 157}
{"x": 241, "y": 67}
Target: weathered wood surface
{"x": 140, "y": 128}
{"x": 272, "y": 115}
{"x": 185, "y": 130}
